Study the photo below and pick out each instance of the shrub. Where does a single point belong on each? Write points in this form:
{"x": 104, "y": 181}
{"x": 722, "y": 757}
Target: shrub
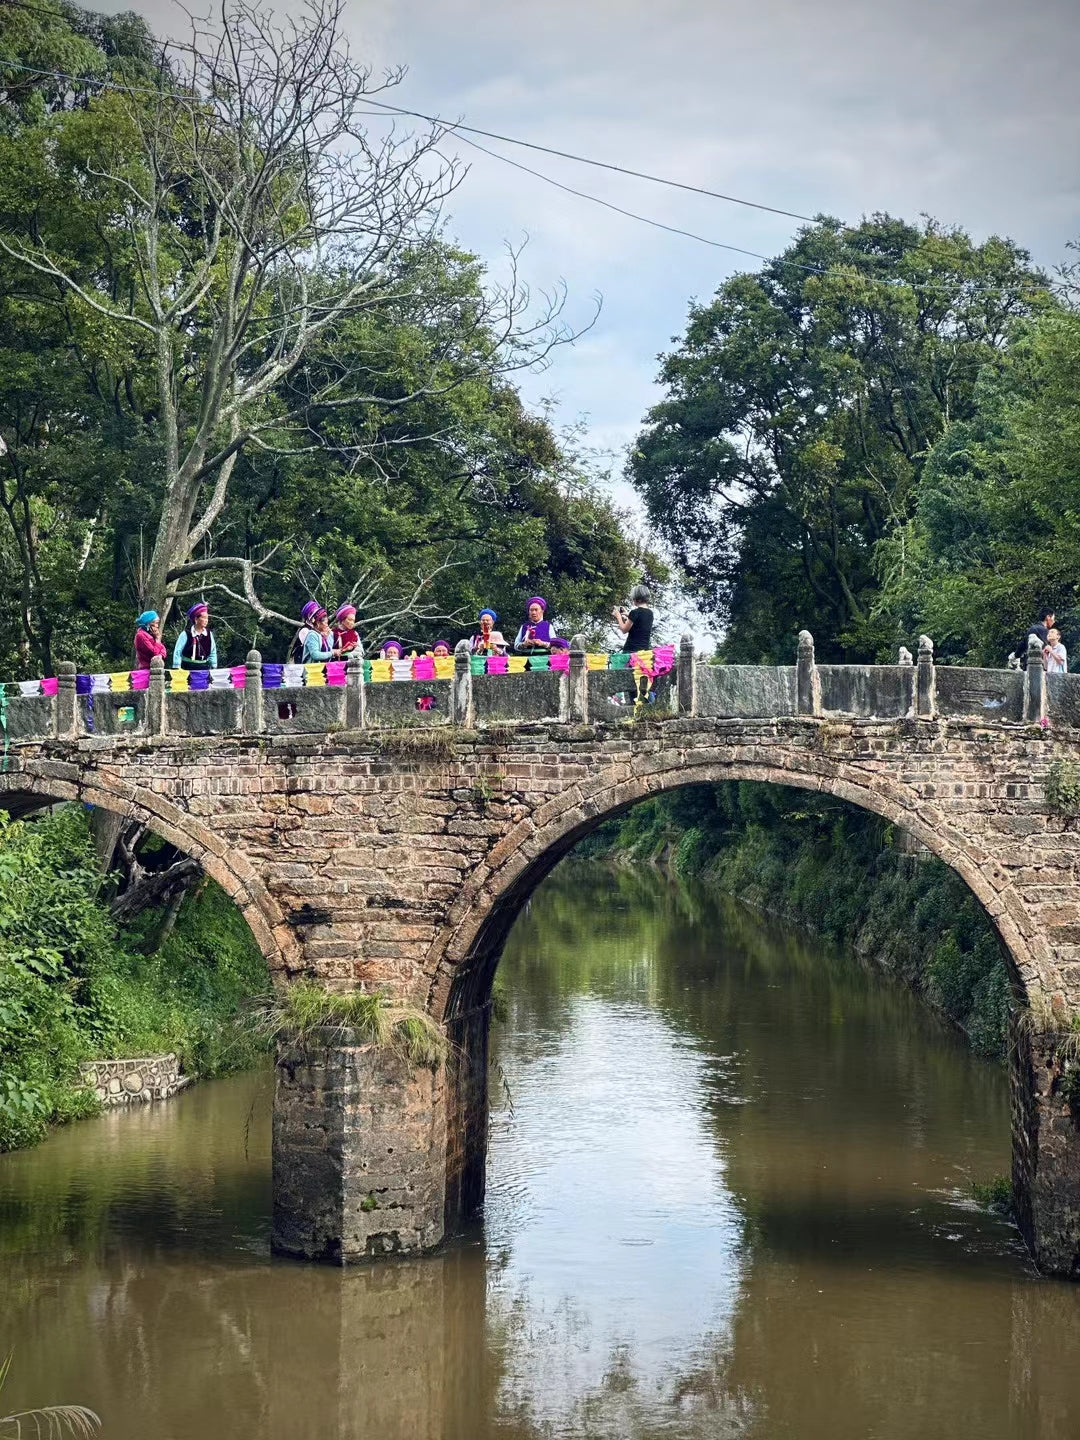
{"x": 72, "y": 987}
{"x": 305, "y": 1008}
{"x": 1062, "y": 788}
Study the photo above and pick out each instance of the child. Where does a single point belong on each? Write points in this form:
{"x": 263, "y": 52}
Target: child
{"x": 1055, "y": 656}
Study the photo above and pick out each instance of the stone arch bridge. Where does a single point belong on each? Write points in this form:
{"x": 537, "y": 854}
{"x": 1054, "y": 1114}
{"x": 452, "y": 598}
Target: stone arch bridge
{"x": 385, "y": 836}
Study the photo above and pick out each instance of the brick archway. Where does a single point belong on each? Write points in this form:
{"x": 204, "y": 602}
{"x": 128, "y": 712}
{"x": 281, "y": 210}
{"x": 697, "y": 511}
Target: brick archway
{"x": 25, "y": 788}
{"x": 468, "y": 953}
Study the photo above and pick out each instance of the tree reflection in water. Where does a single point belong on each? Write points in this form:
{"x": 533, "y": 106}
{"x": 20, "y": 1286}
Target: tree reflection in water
{"x": 729, "y": 1203}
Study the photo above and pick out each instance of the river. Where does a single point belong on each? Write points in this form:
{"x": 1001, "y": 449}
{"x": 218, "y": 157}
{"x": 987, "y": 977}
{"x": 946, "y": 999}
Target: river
{"x": 728, "y": 1196}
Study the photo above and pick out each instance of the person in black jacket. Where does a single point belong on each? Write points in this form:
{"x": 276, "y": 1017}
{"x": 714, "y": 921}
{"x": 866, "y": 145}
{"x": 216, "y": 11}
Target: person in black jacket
{"x": 1041, "y": 628}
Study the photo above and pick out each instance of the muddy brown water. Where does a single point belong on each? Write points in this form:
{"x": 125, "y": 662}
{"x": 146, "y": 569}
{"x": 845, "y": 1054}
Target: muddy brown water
{"x": 728, "y": 1196}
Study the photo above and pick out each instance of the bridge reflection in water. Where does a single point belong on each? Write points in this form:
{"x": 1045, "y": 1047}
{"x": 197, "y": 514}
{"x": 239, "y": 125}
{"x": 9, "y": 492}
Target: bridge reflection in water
{"x": 366, "y": 851}
{"x": 729, "y": 1201}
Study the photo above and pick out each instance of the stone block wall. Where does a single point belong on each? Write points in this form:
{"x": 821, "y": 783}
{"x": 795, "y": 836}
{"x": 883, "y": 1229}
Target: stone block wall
{"x": 365, "y": 862}
{"x": 135, "y": 1081}
{"x": 1046, "y": 1146}
{"x": 359, "y": 1151}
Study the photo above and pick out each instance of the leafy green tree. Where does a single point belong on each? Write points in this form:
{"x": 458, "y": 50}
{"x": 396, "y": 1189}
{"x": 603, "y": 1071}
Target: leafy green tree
{"x": 799, "y": 411}
{"x": 996, "y": 526}
{"x": 362, "y": 437}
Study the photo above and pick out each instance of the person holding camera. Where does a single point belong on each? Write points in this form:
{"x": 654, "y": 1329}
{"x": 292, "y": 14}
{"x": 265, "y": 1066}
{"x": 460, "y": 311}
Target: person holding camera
{"x": 635, "y": 623}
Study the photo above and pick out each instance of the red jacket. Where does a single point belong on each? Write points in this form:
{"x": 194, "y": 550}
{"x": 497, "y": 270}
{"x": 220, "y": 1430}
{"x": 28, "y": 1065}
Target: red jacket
{"x": 146, "y": 647}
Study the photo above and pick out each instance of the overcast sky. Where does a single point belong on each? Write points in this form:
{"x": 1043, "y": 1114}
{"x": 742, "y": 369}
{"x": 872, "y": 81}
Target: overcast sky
{"x": 964, "y": 109}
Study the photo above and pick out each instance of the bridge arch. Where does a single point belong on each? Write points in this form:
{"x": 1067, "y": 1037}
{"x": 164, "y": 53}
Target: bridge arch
{"x": 472, "y": 943}
{"x": 32, "y": 785}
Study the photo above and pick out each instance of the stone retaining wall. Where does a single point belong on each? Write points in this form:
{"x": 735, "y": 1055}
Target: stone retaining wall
{"x": 133, "y": 1082}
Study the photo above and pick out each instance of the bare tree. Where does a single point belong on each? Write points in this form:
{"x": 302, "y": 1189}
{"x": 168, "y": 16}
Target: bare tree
{"x": 258, "y": 213}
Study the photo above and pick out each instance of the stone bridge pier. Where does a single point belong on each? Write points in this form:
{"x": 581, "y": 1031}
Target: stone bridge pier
{"x": 373, "y": 842}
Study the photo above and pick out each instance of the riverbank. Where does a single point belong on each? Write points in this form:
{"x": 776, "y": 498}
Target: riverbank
{"x": 75, "y": 986}
{"x": 837, "y": 872}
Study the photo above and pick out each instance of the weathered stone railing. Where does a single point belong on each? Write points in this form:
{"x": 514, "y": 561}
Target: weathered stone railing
{"x": 579, "y": 694}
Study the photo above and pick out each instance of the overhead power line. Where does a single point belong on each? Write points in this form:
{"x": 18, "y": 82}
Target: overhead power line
{"x": 619, "y": 210}
{"x": 896, "y": 281}
{"x": 459, "y": 127}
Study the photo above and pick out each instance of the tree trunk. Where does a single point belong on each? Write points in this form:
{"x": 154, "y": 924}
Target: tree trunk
{"x": 105, "y": 829}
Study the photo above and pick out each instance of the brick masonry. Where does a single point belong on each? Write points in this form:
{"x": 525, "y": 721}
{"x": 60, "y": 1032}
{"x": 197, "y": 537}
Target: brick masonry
{"x": 393, "y": 861}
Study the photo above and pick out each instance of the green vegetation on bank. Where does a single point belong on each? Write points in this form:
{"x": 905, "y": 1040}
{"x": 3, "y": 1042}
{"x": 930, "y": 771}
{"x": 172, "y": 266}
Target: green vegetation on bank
{"x": 843, "y": 873}
{"x": 75, "y": 987}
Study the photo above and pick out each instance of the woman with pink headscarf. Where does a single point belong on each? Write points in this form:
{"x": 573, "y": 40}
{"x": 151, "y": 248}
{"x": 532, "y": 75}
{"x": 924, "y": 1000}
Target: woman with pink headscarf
{"x": 346, "y": 635}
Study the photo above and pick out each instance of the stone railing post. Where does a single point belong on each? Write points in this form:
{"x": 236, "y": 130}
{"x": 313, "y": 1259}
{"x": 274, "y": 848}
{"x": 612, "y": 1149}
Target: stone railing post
{"x": 1034, "y": 682}
{"x": 354, "y": 689}
{"x": 461, "y": 698}
{"x": 925, "y": 691}
{"x": 67, "y": 705}
{"x": 807, "y": 684}
{"x": 155, "y": 697}
{"x": 687, "y": 677}
{"x": 577, "y": 688}
{"x": 253, "y": 694}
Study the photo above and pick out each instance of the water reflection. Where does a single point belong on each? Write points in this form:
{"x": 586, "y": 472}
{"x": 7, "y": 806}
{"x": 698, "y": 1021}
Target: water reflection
{"x": 726, "y": 1201}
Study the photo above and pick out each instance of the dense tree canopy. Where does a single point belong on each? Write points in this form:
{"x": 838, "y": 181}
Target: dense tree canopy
{"x": 383, "y": 454}
{"x": 995, "y": 532}
{"x": 802, "y": 407}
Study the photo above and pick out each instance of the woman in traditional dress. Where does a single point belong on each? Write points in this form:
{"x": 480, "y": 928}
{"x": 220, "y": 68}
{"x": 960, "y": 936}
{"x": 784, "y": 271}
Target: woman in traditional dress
{"x": 346, "y": 635}
{"x": 537, "y": 636}
{"x": 148, "y": 641}
{"x": 319, "y": 643}
{"x": 299, "y": 641}
{"x": 489, "y": 641}
{"x": 196, "y": 648}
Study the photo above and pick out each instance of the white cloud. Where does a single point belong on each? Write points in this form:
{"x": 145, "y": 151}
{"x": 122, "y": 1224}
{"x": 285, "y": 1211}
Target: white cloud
{"x": 965, "y": 109}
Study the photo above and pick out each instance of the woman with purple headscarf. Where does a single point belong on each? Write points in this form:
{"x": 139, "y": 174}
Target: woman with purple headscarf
{"x": 299, "y": 640}
{"x": 537, "y": 635}
{"x": 196, "y": 648}
{"x": 319, "y": 642}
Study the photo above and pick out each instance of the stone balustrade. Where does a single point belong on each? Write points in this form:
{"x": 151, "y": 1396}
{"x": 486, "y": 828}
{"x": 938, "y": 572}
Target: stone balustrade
{"x": 580, "y": 694}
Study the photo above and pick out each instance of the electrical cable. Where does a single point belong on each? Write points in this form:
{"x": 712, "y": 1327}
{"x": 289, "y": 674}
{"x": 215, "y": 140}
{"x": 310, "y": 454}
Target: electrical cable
{"x": 458, "y": 126}
{"x": 1032, "y": 286}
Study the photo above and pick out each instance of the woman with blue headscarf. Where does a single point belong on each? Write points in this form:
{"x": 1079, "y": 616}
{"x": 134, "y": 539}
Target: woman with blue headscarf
{"x": 489, "y": 641}
{"x": 148, "y": 641}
